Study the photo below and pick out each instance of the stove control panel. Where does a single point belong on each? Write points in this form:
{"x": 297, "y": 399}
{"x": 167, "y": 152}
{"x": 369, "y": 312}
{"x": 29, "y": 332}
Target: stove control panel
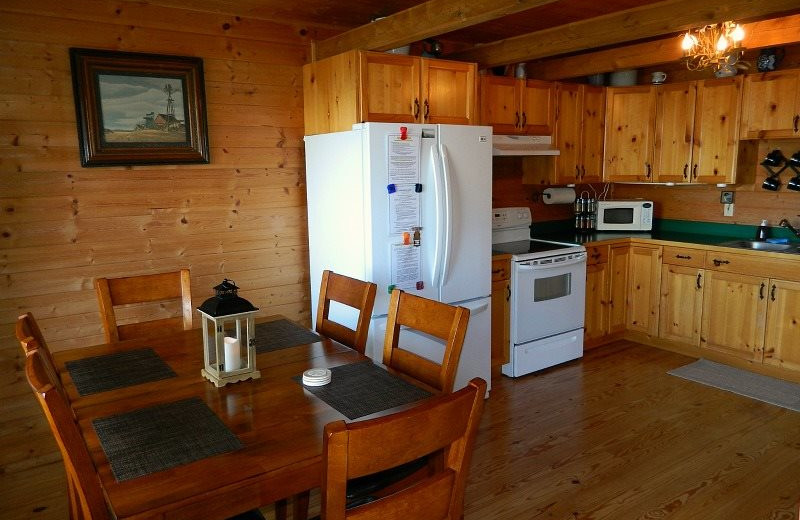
{"x": 504, "y": 218}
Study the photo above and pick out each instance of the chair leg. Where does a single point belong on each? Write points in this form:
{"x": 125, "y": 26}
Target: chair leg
{"x": 300, "y": 506}
{"x": 280, "y": 509}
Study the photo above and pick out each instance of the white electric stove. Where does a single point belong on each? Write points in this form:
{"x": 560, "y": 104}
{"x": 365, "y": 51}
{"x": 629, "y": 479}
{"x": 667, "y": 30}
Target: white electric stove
{"x": 548, "y": 289}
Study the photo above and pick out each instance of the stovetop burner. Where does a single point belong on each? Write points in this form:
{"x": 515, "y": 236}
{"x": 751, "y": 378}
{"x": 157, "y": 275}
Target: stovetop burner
{"x": 526, "y": 247}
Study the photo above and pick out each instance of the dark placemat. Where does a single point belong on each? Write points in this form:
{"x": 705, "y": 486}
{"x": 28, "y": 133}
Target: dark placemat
{"x": 360, "y": 389}
{"x": 275, "y": 335}
{"x": 153, "y": 439}
{"x": 102, "y": 373}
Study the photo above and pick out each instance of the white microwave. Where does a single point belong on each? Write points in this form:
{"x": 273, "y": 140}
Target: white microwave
{"x": 624, "y": 215}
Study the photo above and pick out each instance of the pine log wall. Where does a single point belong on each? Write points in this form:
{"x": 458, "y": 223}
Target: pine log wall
{"x": 242, "y": 216}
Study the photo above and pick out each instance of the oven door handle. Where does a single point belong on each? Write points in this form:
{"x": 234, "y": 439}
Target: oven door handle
{"x": 542, "y": 267}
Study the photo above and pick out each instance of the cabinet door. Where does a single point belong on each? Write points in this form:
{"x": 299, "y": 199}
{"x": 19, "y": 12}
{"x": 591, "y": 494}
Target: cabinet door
{"x": 449, "y": 92}
{"x": 782, "y": 339}
{"x": 501, "y": 321}
{"x": 681, "y": 307}
{"x": 630, "y": 114}
{"x": 734, "y": 314}
{"x": 643, "y": 289}
{"x": 618, "y": 290}
{"x": 716, "y": 130}
{"x": 672, "y": 153}
{"x": 390, "y": 88}
{"x": 537, "y": 105}
{"x": 596, "y": 317}
{"x": 500, "y": 97}
{"x": 770, "y": 105}
{"x": 594, "y": 124}
{"x": 568, "y": 132}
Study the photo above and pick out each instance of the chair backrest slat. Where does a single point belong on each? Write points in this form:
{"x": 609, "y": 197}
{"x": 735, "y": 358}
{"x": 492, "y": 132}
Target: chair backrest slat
{"x": 362, "y": 448}
{"x": 443, "y": 321}
{"x": 112, "y": 292}
{"x": 353, "y": 293}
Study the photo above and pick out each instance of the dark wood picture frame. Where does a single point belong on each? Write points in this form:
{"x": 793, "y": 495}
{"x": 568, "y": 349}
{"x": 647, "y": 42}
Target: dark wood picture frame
{"x": 135, "y": 108}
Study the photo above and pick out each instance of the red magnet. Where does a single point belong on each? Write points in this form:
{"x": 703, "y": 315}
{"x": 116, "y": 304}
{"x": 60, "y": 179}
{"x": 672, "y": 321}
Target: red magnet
{"x": 403, "y": 133}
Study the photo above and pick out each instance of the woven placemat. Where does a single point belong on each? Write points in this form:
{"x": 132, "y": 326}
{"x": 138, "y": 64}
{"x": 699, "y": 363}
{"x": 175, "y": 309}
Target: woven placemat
{"x": 133, "y": 367}
{"x": 279, "y": 334}
{"x": 360, "y": 389}
{"x": 153, "y": 439}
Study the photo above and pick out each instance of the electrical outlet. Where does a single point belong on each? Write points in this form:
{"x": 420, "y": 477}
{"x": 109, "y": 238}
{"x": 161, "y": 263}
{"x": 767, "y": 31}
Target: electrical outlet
{"x": 726, "y": 197}
{"x": 727, "y": 210}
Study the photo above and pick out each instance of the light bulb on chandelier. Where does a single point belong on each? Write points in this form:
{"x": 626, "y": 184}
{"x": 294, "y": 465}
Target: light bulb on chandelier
{"x": 716, "y": 45}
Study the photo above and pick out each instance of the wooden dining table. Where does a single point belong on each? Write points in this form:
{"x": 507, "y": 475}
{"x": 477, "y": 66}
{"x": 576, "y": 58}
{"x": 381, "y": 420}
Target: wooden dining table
{"x": 278, "y": 422}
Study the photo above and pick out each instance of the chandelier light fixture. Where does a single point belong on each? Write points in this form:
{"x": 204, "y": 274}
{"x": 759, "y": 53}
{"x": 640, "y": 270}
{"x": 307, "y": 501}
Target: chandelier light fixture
{"x": 718, "y": 46}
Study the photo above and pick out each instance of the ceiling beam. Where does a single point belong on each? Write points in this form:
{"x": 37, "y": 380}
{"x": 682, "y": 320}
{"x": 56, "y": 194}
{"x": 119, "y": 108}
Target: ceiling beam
{"x": 647, "y": 21}
{"x": 432, "y": 18}
{"x": 777, "y": 31}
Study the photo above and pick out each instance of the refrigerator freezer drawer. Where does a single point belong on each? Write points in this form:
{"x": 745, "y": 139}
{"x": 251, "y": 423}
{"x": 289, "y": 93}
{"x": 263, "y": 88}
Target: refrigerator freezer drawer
{"x": 543, "y": 353}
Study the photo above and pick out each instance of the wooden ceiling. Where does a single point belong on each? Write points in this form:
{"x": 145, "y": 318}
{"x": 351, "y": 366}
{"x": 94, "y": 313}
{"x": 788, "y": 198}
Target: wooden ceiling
{"x": 499, "y": 32}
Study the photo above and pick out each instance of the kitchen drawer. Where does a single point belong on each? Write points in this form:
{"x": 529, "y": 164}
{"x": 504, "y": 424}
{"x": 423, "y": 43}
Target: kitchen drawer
{"x": 683, "y": 256}
{"x": 597, "y": 254}
{"x": 501, "y": 269}
{"x": 757, "y": 264}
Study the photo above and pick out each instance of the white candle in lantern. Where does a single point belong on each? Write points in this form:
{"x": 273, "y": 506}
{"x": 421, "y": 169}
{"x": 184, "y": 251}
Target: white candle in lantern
{"x": 233, "y": 360}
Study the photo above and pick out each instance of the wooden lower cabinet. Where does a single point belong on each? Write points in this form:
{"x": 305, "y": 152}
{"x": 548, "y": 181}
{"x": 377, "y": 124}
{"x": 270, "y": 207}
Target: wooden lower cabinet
{"x": 618, "y": 288}
{"x": 734, "y": 314}
{"x": 598, "y": 278}
{"x": 681, "y": 306}
{"x": 501, "y": 311}
{"x": 644, "y": 284}
{"x": 782, "y": 337}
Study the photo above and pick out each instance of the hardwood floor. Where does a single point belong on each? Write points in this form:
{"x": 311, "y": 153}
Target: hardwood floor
{"x": 611, "y": 436}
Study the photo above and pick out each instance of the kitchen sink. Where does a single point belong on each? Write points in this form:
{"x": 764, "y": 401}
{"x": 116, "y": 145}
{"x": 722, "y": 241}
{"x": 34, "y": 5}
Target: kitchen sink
{"x": 762, "y": 246}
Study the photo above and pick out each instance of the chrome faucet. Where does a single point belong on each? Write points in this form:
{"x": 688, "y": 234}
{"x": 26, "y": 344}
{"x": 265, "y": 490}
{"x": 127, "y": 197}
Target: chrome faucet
{"x": 785, "y": 223}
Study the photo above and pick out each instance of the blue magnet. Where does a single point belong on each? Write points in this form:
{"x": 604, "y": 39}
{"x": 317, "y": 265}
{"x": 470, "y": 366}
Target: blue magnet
{"x": 391, "y": 188}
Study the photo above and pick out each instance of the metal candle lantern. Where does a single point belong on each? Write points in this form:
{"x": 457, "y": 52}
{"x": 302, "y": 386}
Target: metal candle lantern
{"x": 228, "y": 323}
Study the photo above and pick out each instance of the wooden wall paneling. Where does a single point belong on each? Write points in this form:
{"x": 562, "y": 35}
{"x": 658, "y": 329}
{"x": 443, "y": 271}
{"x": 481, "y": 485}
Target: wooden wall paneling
{"x": 242, "y": 216}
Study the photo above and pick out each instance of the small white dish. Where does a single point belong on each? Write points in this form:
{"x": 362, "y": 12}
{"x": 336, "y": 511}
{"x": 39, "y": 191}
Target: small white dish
{"x": 316, "y": 377}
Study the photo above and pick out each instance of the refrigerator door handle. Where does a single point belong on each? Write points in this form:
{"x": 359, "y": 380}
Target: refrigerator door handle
{"x": 438, "y": 183}
{"x": 476, "y": 307}
{"x": 448, "y": 212}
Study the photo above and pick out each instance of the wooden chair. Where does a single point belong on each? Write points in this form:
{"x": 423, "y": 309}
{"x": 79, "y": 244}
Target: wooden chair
{"x": 354, "y": 293}
{"x": 85, "y": 494}
{"x": 361, "y": 448}
{"x": 437, "y": 319}
{"x": 141, "y": 289}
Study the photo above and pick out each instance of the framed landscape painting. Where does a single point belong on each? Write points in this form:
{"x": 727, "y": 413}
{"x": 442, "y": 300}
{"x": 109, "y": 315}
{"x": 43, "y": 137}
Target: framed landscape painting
{"x": 135, "y": 108}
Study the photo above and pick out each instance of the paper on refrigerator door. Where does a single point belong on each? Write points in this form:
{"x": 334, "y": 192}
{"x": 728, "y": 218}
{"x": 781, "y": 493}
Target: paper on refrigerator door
{"x": 403, "y": 159}
{"x": 406, "y": 266}
{"x": 403, "y": 209}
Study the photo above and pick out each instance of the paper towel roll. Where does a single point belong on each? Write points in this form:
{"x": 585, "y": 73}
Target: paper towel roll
{"x": 558, "y": 196}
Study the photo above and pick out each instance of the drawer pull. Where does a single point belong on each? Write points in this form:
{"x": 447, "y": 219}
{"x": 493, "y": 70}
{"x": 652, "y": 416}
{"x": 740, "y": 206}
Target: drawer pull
{"x": 761, "y": 291}
{"x": 699, "y": 277}
{"x": 683, "y": 257}
{"x": 516, "y": 124}
{"x": 416, "y": 109}
{"x": 772, "y": 293}
{"x": 524, "y": 120}
{"x": 796, "y": 120}
{"x": 685, "y": 171}
{"x": 596, "y": 256}
{"x": 427, "y": 110}
{"x": 718, "y": 262}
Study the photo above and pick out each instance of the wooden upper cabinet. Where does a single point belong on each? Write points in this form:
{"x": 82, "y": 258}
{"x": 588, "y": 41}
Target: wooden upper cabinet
{"x": 517, "y": 106}
{"x": 361, "y": 86}
{"x": 630, "y": 115}
{"x": 537, "y": 105}
{"x": 716, "y": 130}
{"x": 672, "y": 152}
{"x": 771, "y": 105}
{"x": 390, "y": 88}
{"x": 569, "y": 132}
{"x": 580, "y": 121}
{"x": 449, "y": 92}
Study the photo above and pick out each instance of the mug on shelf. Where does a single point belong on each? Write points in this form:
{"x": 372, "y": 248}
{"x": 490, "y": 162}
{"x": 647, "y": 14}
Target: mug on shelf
{"x": 658, "y": 77}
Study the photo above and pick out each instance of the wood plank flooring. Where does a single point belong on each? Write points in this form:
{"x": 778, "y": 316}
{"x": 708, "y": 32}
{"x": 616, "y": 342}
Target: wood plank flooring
{"x": 608, "y": 437}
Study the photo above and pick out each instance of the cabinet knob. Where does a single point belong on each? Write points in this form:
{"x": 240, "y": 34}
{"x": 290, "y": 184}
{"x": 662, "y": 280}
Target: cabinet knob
{"x": 699, "y": 277}
{"x": 416, "y": 109}
{"x": 516, "y": 123}
{"x": 761, "y": 291}
{"x": 685, "y": 171}
{"x": 718, "y": 262}
{"x": 694, "y": 171}
{"x": 647, "y": 168}
{"x": 427, "y": 110}
{"x": 525, "y": 120}
{"x": 796, "y": 121}
{"x": 772, "y": 293}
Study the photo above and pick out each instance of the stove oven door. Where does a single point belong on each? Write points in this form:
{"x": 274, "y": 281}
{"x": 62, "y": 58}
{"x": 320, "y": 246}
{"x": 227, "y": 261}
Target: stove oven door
{"x": 547, "y": 297}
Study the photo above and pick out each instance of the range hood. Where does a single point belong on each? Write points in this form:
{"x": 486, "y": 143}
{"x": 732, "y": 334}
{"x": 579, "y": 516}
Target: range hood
{"x": 523, "y": 145}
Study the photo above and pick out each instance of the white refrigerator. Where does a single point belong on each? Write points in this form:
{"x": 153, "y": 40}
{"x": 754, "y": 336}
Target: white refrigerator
{"x": 356, "y": 222}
